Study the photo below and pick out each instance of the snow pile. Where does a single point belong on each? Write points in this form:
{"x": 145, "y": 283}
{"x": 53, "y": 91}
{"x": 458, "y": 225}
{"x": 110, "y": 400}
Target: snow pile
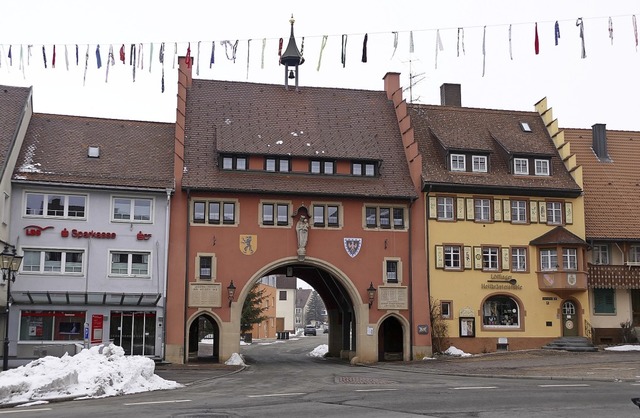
{"x": 100, "y": 371}
{"x": 235, "y": 360}
{"x": 624, "y": 348}
{"x": 319, "y": 351}
{"x": 453, "y": 351}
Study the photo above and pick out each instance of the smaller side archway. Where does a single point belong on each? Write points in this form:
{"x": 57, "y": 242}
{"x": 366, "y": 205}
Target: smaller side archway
{"x": 570, "y": 318}
{"x": 393, "y": 338}
{"x": 203, "y": 342}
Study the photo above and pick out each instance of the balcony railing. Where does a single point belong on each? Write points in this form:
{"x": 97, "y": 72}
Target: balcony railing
{"x": 608, "y": 276}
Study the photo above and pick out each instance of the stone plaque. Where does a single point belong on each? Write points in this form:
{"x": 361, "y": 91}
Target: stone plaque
{"x": 205, "y": 295}
{"x": 392, "y": 297}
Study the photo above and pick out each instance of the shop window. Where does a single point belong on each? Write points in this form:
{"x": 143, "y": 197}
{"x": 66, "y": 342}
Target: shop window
{"x": 52, "y": 325}
{"x": 501, "y": 311}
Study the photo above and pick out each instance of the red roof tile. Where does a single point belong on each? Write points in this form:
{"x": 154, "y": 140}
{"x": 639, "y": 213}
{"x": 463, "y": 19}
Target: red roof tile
{"x": 12, "y": 102}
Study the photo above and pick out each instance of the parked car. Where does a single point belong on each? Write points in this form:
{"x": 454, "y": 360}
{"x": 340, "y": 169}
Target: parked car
{"x": 309, "y": 330}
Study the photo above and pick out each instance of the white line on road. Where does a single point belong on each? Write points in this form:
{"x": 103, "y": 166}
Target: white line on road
{"x": 157, "y": 402}
{"x": 475, "y": 387}
{"x": 17, "y": 411}
{"x": 564, "y": 386}
{"x": 276, "y": 394}
{"x": 374, "y": 390}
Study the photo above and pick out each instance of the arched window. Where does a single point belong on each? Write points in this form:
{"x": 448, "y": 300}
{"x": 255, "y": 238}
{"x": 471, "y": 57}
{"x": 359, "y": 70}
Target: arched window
{"x": 501, "y": 311}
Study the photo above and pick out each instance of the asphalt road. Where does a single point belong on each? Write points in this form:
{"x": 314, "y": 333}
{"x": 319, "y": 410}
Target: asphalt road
{"x": 281, "y": 379}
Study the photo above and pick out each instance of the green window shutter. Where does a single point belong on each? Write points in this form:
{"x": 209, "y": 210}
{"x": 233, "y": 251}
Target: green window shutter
{"x": 604, "y": 301}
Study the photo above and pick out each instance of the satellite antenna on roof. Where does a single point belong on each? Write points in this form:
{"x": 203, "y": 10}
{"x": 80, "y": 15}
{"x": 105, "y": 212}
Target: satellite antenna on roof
{"x": 413, "y": 80}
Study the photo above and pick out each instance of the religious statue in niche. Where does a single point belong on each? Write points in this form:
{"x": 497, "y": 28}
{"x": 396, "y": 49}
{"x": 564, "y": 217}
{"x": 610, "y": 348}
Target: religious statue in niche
{"x": 302, "y": 230}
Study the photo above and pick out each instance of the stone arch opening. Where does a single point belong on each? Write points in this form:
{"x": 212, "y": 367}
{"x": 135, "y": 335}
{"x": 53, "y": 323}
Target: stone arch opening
{"x": 392, "y": 333}
{"x": 203, "y": 343}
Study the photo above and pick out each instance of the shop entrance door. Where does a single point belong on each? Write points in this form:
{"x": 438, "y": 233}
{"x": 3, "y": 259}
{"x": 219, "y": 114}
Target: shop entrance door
{"x": 569, "y": 319}
{"x": 134, "y": 332}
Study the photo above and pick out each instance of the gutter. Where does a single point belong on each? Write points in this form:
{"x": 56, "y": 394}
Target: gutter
{"x": 166, "y": 270}
{"x": 185, "y": 351}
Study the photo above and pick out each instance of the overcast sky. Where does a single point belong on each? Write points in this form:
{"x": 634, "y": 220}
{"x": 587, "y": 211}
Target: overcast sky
{"x": 603, "y": 87}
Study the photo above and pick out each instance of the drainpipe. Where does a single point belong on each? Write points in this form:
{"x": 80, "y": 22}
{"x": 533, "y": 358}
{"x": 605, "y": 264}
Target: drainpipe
{"x": 410, "y": 284}
{"x": 427, "y": 246}
{"x": 185, "y": 352}
{"x": 166, "y": 272}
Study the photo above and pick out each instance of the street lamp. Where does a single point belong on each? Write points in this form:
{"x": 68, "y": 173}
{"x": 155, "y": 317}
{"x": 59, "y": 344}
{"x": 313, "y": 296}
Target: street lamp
{"x": 231, "y": 291}
{"x": 9, "y": 264}
{"x": 371, "y": 291}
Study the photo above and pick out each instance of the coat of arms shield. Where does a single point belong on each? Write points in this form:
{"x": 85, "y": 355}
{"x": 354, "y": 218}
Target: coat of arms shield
{"x": 248, "y": 244}
{"x": 352, "y": 246}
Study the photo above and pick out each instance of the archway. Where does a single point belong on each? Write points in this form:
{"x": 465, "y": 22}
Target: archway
{"x": 570, "y": 318}
{"x": 390, "y": 340}
{"x": 342, "y": 300}
{"x": 204, "y": 339}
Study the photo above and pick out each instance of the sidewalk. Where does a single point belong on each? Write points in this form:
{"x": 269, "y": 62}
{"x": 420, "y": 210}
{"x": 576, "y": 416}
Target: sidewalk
{"x": 538, "y": 364}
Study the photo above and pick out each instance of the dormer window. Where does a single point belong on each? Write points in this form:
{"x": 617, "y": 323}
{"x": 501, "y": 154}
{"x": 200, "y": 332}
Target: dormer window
{"x": 525, "y": 127}
{"x": 234, "y": 162}
{"x": 479, "y": 163}
{"x": 520, "y": 166}
{"x": 359, "y": 168}
{"x": 458, "y": 162}
{"x": 281, "y": 165}
{"x": 321, "y": 167}
{"x": 542, "y": 167}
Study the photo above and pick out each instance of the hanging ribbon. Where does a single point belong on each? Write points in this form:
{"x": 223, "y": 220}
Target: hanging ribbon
{"x": 53, "y": 58}
{"x": 439, "y": 46}
{"x": 175, "y": 53}
{"x": 460, "y": 41}
{"x": 635, "y": 30}
{"x": 198, "y": 60}
{"x": 187, "y": 59}
{"x": 122, "y": 58}
{"x": 86, "y": 66}
{"x": 536, "y": 42}
{"x": 510, "y": 48}
{"x": 110, "y": 62}
{"x": 484, "y": 50}
{"x": 66, "y": 57}
{"x": 264, "y": 45}
{"x": 322, "y": 45}
{"x": 280, "y": 51}
{"x": 141, "y": 56}
{"x": 395, "y": 43}
{"x": 302, "y": 48}
{"x": 77, "y": 56}
{"x": 557, "y": 32}
{"x": 580, "y": 24}
{"x": 364, "y": 47}
{"x": 22, "y": 61}
{"x": 10, "y": 57}
{"x": 611, "y": 29}
{"x": 161, "y": 58}
{"x": 213, "y": 54}
{"x": 233, "y": 46}
{"x": 150, "y": 55}
{"x": 29, "y": 54}
{"x": 343, "y": 56}
{"x": 98, "y": 59}
{"x": 248, "y": 50}
{"x": 44, "y": 56}
{"x": 132, "y": 61}
{"x": 411, "y": 49}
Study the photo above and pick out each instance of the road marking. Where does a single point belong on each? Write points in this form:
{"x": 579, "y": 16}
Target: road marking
{"x": 475, "y": 387}
{"x": 564, "y": 386}
{"x": 157, "y": 402}
{"x": 276, "y": 394}
{"x": 17, "y": 411}
{"x": 373, "y": 390}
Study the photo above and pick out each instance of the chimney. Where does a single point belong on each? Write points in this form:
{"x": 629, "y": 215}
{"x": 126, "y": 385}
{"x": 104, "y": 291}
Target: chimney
{"x": 599, "y": 141}
{"x": 450, "y": 95}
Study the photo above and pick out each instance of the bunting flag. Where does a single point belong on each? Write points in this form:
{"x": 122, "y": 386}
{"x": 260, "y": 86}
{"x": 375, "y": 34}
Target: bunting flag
{"x": 22, "y": 62}
{"x": 580, "y": 24}
{"x": 53, "y": 58}
{"x": 86, "y": 66}
{"x": 29, "y": 54}
{"x": 77, "y": 56}
{"x": 110, "y": 62}
{"x": 175, "y": 53}
{"x": 411, "y": 49}
{"x": 10, "y": 57}
{"x": 141, "y": 56}
{"x": 161, "y": 58}
{"x": 635, "y": 30}
{"x": 484, "y": 49}
{"x": 439, "y": 46}
{"x": 322, "y": 45}
{"x": 460, "y": 39}
{"x": 122, "y": 58}
{"x": 230, "y": 46}
{"x": 150, "y": 55}
{"x": 364, "y": 47}
{"x": 510, "y": 48}
{"x": 536, "y": 42}
{"x": 343, "y": 56}
{"x": 187, "y": 58}
{"x": 264, "y": 45}
{"x": 280, "y": 50}
{"x": 213, "y": 52}
{"x": 198, "y": 59}
{"x": 66, "y": 57}
{"x": 302, "y": 47}
{"x": 44, "y": 56}
{"x": 98, "y": 58}
{"x": 557, "y": 32}
{"x": 132, "y": 61}
{"x": 395, "y": 43}
{"x": 611, "y": 29}
{"x": 248, "y": 50}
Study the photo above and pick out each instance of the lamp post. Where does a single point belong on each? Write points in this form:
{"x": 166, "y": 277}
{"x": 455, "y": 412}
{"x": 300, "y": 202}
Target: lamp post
{"x": 371, "y": 291}
{"x": 231, "y": 291}
{"x": 9, "y": 264}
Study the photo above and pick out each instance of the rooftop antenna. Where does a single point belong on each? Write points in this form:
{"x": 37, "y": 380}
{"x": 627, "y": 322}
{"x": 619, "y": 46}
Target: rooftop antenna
{"x": 413, "y": 80}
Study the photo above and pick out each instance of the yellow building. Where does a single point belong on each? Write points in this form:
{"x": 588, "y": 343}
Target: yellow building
{"x": 504, "y": 236}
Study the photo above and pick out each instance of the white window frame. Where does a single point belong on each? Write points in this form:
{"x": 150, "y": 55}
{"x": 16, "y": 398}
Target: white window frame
{"x": 490, "y": 258}
{"x": 519, "y": 259}
{"x": 446, "y": 313}
{"x": 542, "y": 167}
{"x": 482, "y": 210}
{"x": 458, "y": 162}
{"x": 548, "y": 259}
{"x": 519, "y": 211}
{"x": 479, "y": 163}
{"x": 600, "y": 254}
{"x": 322, "y": 221}
{"x": 389, "y": 277}
{"x": 279, "y": 220}
{"x": 554, "y": 213}
{"x": 520, "y": 166}
{"x": 445, "y": 208}
{"x": 48, "y": 268}
{"x": 634, "y": 254}
{"x": 130, "y": 264}
{"x": 45, "y": 204}
{"x": 395, "y": 222}
{"x": 569, "y": 258}
{"x": 452, "y": 257}
{"x": 131, "y": 201}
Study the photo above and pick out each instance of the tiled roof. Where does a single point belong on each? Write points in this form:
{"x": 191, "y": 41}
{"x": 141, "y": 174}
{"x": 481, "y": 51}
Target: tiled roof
{"x": 263, "y": 119}
{"x": 558, "y": 236}
{"x": 12, "y": 103}
{"x": 497, "y": 132}
{"x": 132, "y": 153}
{"x": 611, "y": 189}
